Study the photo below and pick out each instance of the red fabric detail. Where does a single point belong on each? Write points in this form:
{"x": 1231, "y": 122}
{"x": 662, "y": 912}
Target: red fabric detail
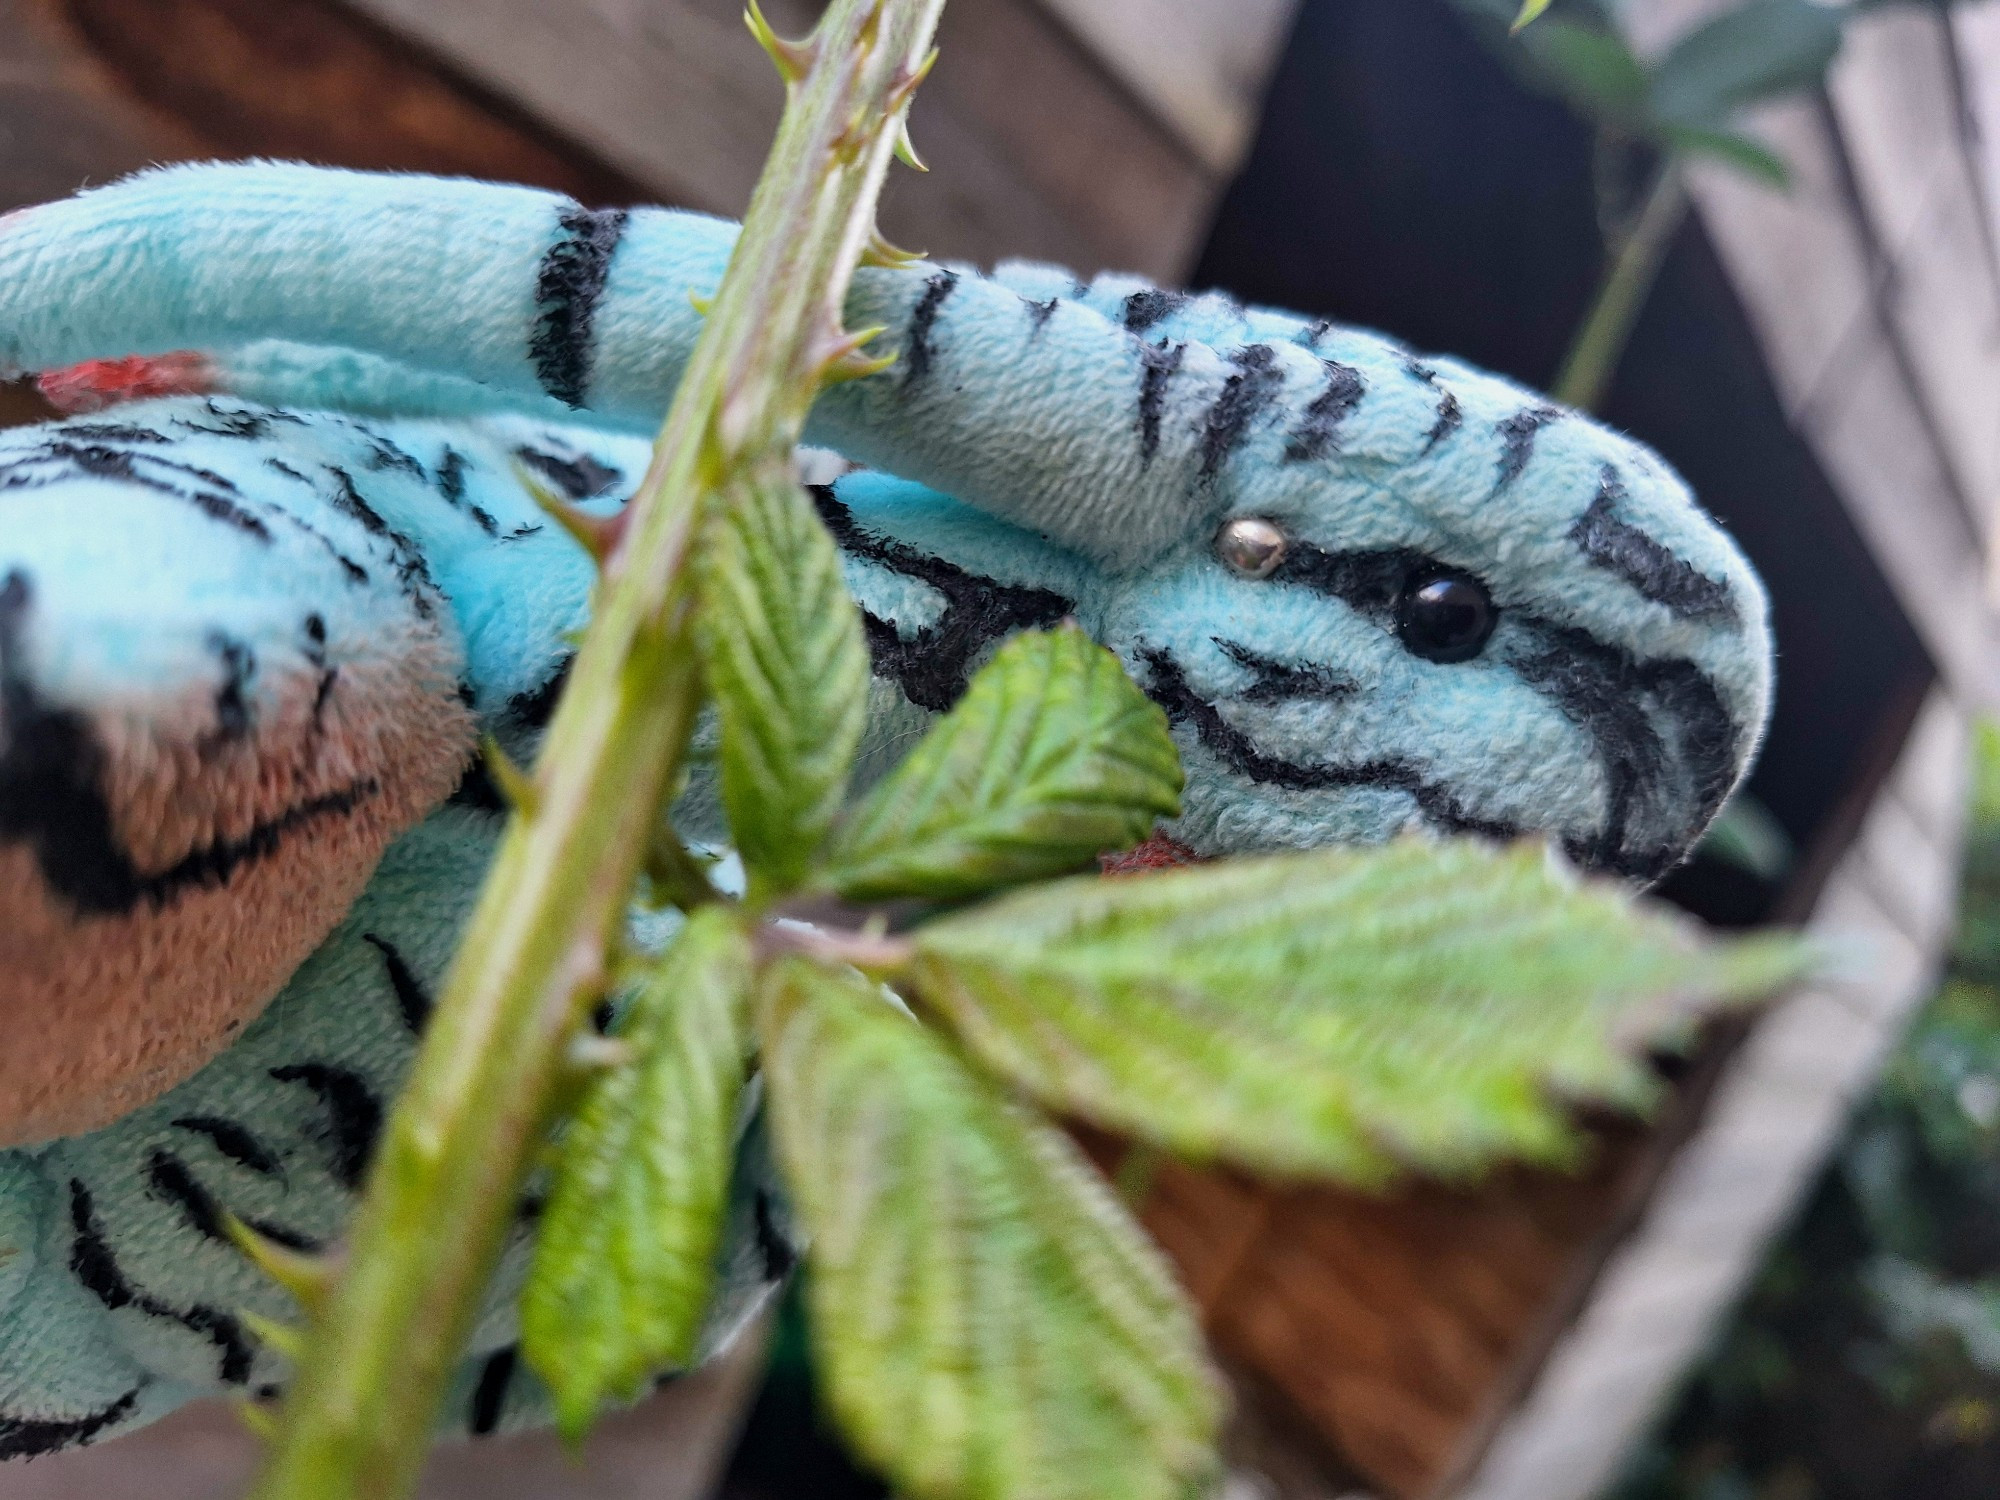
{"x": 98, "y": 383}
{"x": 1158, "y": 853}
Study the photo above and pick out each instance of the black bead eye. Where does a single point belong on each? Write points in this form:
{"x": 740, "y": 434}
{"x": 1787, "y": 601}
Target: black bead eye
{"x": 1445, "y": 617}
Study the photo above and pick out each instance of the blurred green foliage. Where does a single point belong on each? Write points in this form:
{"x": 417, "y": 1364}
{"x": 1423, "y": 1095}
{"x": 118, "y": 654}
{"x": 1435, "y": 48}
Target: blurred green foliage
{"x": 1865, "y": 1362}
{"x": 1687, "y": 101}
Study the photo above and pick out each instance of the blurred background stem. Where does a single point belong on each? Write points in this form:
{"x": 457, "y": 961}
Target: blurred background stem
{"x": 1593, "y": 358}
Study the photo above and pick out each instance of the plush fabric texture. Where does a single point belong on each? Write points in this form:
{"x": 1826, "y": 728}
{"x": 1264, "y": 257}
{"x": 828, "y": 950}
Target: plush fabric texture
{"x": 257, "y": 603}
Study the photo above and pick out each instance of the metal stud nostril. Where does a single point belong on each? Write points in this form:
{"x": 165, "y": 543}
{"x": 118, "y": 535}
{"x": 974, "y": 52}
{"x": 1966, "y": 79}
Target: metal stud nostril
{"x": 1250, "y": 547}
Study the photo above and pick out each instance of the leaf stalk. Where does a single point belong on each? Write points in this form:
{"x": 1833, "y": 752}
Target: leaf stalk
{"x": 1607, "y": 328}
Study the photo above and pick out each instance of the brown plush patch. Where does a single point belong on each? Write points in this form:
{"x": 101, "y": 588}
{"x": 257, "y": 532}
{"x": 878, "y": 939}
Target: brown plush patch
{"x": 250, "y": 849}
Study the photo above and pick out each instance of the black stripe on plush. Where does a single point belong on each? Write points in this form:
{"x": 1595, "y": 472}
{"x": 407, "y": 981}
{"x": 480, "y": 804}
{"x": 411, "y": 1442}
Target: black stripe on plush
{"x": 1145, "y": 308}
{"x": 59, "y": 458}
{"x": 1254, "y": 386}
{"x": 1159, "y": 364}
{"x": 1651, "y": 568}
{"x": 51, "y": 798}
{"x": 917, "y": 348}
{"x": 1605, "y": 692}
{"x": 1319, "y": 431}
{"x": 354, "y": 1115}
{"x": 411, "y": 997}
{"x": 568, "y": 286}
{"x": 932, "y": 666}
{"x": 1450, "y": 415}
{"x": 36, "y": 1437}
{"x": 1517, "y": 440}
{"x": 97, "y": 1269}
{"x": 1169, "y": 688}
{"x": 234, "y": 1141}
{"x": 489, "y": 1397}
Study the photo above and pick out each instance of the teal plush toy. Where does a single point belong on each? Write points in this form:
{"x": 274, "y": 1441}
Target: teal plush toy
{"x": 252, "y": 627}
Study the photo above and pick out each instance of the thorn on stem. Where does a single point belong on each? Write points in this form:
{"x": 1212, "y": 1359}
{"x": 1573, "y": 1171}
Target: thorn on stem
{"x": 879, "y": 252}
{"x": 260, "y": 1417}
{"x": 516, "y": 785}
{"x": 701, "y": 304}
{"x": 307, "y": 1277}
{"x": 793, "y": 59}
{"x": 597, "y": 535}
{"x": 906, "y": 151}
{"x": 911, "y": 81}
{"x": 841, "y": 358}
{"x": 281, "y": 1339}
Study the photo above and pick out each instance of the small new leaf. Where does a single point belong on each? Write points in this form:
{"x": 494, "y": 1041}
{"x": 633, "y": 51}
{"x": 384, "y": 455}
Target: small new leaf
{"x": 989, "y": 1323}
{"x": 1530, "y": 9}
{"x": 785, "y": 658}
{"x": 624, "y": 1260}
{"x": 1052, "y": 757}
{"x": 1337, "y": 1013}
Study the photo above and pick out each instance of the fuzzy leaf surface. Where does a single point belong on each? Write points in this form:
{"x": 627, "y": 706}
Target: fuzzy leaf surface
{"x": 785, "y": 658}
{"x": 1052, "y": 757}
{"x": 624, "y": 1257}
{"x": 1335, "y": 1013}
{"x": 988, "y": 1321}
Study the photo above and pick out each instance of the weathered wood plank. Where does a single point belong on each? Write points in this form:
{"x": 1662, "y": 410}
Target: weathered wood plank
{"x": 312, "y": 80}
{"x": 1038, "y": 152}
{"x": 1895, "y": 97}
{"x": 1768, "y": 1127}
{"x": 1869, "y": 433}
{"x": 1796, "y": 257}
{"x": 1892, "y": 89}
{"x": 62, "y": 121}
{"x": 1199, "y": 65}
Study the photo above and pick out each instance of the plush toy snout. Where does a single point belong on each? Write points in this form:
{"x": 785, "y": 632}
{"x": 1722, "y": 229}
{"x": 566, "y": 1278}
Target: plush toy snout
{"x": 199, "y": 766}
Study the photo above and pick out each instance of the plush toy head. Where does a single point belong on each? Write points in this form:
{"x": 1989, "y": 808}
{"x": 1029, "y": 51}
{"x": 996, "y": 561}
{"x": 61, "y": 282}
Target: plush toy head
{"x": 1373, "y": 593}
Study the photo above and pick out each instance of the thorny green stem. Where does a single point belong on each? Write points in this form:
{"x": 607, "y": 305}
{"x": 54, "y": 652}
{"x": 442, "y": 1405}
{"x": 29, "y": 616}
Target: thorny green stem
{"x": 1600, "y": 343}
{"x": 447, "y": 1176}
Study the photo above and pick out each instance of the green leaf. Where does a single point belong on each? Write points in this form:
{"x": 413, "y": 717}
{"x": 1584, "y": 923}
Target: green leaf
{"x": 988, "y": 1321}
{"x": 1529, "y": 10}
{"x": 624, "y": 1257}
{"x": 783, "y": 650}
{"x": 1746, "y": 835}
{"x": 1052, "y": 757}
{"x": 1757, "y": 51}
{"x": 1593, "y": 69}
{"x": 1334, "y": 1013}
{"x": 1744, "y": 152}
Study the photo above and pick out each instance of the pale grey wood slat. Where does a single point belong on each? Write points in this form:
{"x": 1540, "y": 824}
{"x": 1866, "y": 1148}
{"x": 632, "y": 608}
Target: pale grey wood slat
{"x": 1038, "y": 152}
